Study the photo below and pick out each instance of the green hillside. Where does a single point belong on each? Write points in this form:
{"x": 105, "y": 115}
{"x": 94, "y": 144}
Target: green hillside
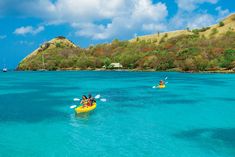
{"x": 215, "y": 30}
{"x": 206, "y": 49}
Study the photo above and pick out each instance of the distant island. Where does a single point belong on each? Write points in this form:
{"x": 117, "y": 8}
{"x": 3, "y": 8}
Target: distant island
{"x": 210, "y": 49}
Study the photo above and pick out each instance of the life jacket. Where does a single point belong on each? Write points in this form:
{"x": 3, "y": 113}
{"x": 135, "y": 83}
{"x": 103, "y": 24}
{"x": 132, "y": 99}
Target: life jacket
{"x": 89, "y": 102}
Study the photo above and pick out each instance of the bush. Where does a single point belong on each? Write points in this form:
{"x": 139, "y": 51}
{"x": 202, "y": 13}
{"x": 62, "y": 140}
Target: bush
{"x": 213, "y": 63}
{"x": 137, "y": 39}
{"x": 228, "y": 58}
{"x": 195, "y": 31}
{"x": 204, "y": 29}
{"x": 188, "y": 64}
{"x": 186, "y": 53}
{"x": 45, "y": 46}
{"x": 106, "y": 62}
{"x": 58, "y": 44}
{"x": 165, "y": 63}
{"x": 200, "y": 63}
{"x": 60, "y": 37}
{"x": 221, "y": 23}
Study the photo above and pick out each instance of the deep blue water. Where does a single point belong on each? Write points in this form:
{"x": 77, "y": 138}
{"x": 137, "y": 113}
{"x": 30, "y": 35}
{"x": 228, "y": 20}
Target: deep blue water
{"x": 193, "y": 117}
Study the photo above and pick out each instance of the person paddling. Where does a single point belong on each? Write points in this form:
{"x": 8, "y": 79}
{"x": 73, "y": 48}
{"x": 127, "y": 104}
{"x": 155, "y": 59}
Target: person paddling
{"x": 91, "y": 99}
{"x": 84, "y": 101}
{"x": 161, "y": 83}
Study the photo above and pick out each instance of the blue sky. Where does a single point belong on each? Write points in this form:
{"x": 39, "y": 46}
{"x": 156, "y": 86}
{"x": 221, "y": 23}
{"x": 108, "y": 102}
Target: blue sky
{"x": 25, "y": 24}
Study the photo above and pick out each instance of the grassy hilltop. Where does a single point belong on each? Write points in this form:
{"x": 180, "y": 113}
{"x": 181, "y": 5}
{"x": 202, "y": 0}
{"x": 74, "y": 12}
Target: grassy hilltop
{"x": 206, "y": 49}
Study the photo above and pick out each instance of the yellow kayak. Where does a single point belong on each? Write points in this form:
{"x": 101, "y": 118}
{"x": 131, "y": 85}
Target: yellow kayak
{"x": 161, "y": 86}
{"x": 81, "y": 109}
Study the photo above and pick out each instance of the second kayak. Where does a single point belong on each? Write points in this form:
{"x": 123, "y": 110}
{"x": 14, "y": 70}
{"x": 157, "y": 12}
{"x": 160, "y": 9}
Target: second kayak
{"x": 161, "y": 86}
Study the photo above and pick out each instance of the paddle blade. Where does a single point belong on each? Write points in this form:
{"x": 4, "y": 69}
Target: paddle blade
{"x": 166, "y": 78}
{"x": 103, "y": 100}
{"x": 154, "y": 87}
{"x": 76, "y": 99}
{"x": 73, "y": 106}
{"x": 166, "y": 83}
{"x": 97, "y": 96}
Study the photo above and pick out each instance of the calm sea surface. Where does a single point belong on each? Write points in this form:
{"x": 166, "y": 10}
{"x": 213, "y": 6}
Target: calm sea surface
{"x": 194, "y": 116}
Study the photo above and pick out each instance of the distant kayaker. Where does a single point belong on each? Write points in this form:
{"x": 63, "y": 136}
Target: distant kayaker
{"x": 161, "y": 83}
{"x": 84, "y": 101}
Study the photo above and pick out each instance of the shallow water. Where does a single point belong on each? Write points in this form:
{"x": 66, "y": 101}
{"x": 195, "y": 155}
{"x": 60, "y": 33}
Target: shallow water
{"x": 192, "y": 117}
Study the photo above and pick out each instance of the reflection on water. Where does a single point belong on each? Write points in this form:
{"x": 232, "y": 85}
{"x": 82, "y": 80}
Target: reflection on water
{"x": 78, "y": 119}
{"x": 83, "y": 116}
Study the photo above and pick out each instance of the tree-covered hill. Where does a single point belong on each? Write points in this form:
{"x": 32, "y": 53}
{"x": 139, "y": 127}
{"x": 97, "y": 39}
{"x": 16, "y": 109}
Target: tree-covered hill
{"x": 206, "y": 49}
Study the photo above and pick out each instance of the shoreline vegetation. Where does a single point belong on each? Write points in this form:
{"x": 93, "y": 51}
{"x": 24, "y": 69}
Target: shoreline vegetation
{"x": 137, "y": 70}
{"x": 206, "y": 50}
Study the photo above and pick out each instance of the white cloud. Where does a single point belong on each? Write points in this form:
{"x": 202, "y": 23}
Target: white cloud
{"x": 2, "y": 37}
{"x": 183, "y": 20}
{"x": 189, "y": 15}
{"x": 28, "y": 30}
{"x": 222, "y": 13}
{"x": 86, "y": 17}
{"x": 91, "y": 30}
{"x": 201, "y": 20}
{"x": 145, "y": 10}
{"x": 190, "y": 5}
{"x": 67, "y": 11}
{"x": 102, "y": 19}
{"x": 141, "y": 13}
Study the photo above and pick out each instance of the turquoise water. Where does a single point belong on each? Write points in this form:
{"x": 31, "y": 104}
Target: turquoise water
{"x": 194, "y": 116}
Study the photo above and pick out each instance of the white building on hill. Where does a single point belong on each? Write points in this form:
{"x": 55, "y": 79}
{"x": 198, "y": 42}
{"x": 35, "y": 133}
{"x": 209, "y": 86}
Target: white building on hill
{"x": 116, "y": 65}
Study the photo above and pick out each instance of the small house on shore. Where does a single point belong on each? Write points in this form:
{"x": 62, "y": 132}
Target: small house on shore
{"x": 114, "y": 66}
